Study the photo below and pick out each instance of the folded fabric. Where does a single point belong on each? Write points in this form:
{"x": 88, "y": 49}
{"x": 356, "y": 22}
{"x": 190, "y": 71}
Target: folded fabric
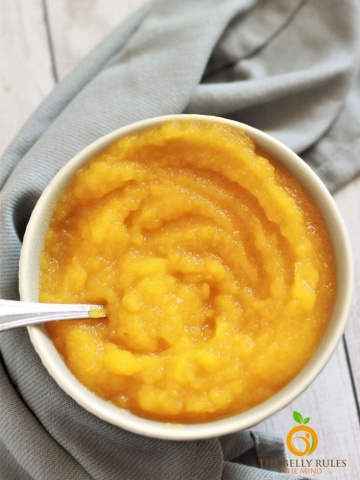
{"x": 289, "y": 68}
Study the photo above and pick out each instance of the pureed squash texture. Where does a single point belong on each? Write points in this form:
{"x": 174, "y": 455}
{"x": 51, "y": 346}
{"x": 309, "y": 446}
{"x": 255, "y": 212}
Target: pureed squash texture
{"x": 215, "y": 267}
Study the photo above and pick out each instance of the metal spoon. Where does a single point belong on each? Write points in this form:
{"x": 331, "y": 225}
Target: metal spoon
{"x": 20, "y": 314}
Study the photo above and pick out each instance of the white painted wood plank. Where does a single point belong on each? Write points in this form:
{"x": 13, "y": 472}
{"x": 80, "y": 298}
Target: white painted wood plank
{"x": 25, "y": 70}
{"x": 348, "y": 201}
{"x": 77, "y": 26}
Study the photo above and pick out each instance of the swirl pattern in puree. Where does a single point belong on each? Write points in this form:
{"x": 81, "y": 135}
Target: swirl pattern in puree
{"x": 215, "y": 267}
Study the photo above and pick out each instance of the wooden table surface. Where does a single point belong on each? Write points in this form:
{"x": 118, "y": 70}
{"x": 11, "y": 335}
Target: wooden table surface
{"x": 41, "y": 41}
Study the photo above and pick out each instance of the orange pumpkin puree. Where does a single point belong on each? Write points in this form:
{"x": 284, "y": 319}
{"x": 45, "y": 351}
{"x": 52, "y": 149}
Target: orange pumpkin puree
{"x": 214, "y": 265}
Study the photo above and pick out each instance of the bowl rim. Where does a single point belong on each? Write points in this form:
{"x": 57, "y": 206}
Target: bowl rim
{"x": 56, "y": 367}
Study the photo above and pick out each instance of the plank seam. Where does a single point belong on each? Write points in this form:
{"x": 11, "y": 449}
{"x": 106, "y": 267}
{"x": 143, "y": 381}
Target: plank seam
{"x": 348, "y": 361}
{"x": 50, "y": 42}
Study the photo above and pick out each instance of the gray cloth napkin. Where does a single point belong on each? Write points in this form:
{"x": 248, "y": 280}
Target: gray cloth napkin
{"x": 288, "y": 67}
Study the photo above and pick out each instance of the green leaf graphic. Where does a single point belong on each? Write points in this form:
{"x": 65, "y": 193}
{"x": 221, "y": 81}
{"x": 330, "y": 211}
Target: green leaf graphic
{"x": 306, "y": 420}
{"x": 297, "y": 417}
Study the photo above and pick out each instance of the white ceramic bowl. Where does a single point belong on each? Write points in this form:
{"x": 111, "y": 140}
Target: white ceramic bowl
{"x": 29, "y": 279}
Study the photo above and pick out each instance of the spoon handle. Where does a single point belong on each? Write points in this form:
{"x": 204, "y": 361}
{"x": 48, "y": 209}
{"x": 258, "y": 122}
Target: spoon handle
{"x": 20, "y": 314}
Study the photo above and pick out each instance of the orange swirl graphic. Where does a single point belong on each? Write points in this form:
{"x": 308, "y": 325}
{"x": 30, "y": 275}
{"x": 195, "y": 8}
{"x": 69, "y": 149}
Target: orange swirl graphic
{"x": 309, "y": 441}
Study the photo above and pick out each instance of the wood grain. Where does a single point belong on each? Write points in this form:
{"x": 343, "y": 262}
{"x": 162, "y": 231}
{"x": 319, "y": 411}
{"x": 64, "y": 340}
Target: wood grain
{"x": 26, "y": 76}
{"x": 348, "y": 201}
{"x": 77, "y": 26}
